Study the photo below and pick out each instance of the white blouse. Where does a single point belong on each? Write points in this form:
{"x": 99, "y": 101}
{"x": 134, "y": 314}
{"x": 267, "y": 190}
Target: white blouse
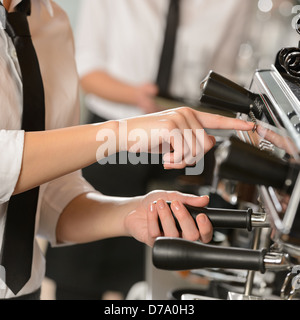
{"x": 53, "y": 41}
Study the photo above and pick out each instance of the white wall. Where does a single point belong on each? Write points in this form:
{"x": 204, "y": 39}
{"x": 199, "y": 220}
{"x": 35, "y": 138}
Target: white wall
{"x": 71, "y": 8}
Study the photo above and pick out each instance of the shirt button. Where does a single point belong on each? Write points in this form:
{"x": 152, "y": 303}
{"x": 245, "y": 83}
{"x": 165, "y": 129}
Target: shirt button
{"x": 14, "y": 53}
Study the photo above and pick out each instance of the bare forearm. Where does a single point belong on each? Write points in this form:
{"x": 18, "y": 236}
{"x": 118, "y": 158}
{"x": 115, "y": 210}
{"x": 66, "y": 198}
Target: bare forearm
{"x": 103, "y": 85}
{"x": 51, "y": 154}
{"x": 92, "y": 217}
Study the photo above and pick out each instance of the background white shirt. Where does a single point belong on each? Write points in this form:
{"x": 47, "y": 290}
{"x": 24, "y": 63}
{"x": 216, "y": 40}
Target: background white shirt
{"x": 53, "y": 40}
{"x": 125, "y": 39}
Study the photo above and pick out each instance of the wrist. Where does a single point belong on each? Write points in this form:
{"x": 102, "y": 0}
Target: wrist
{"x": 127, "y": 216}
{"x": 107, "y": 138}
{"x": 122, "y": 135}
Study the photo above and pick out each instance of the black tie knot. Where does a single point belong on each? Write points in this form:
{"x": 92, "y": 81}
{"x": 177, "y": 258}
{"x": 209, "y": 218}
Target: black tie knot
{"x": 24, "y": 6}
{"x": 19, "y": 24}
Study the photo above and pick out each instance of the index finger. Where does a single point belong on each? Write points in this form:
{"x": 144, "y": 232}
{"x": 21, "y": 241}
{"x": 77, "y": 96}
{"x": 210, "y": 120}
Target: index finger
{"x": 215, "y": 121}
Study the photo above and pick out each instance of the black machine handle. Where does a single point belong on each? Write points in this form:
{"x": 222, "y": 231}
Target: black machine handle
{"x": 220, "y": 218}
{"x": 179, "y": 254}
{"x": 246, "y": 163}
{"x": 220, "y": 92}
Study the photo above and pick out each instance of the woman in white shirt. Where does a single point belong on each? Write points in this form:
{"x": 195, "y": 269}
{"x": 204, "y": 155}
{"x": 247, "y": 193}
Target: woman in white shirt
{"x": 52, "y": 158}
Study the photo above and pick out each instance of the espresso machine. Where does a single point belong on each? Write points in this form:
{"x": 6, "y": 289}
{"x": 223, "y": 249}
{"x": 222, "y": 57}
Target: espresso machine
{"x": 261, "y": 170}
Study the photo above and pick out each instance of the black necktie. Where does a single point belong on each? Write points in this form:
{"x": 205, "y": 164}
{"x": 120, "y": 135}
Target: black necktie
{"x": 17, "y": 248}
{"x": 166, "y": 60}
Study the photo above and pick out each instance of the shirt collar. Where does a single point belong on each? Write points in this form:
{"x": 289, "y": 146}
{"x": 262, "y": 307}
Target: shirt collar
{"x": 13, "y": 4}
{"x": 47, "y": 4}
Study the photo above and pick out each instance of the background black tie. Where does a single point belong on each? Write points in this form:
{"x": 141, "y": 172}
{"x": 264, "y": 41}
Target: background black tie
{"x": 17, "y": 248}
{"x": 167, "y": 54}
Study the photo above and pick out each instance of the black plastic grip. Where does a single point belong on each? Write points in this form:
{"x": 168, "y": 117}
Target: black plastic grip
{"x": 219, "y": 218}
{"x": 220, "y": 92}
{"x": 246, "y": 163}
{"x": 179, "y": 254}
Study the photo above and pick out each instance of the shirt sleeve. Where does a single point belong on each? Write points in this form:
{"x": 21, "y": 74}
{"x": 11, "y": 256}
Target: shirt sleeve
{"x": 57, "y": 194}
{"x": 11, "y": 154}
{"x": 91, "y": 36}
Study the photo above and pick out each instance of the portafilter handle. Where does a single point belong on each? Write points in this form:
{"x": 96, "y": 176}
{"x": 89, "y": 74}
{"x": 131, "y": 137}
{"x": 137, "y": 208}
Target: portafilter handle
{"x": 179, "y": 254}
{"x": 226, "y": 218}
{"x": 219, "y": 92}
{"x": 240, "y": 161}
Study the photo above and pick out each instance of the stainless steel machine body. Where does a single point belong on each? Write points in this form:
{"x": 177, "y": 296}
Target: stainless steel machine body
{"x": 269, "y": 159}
